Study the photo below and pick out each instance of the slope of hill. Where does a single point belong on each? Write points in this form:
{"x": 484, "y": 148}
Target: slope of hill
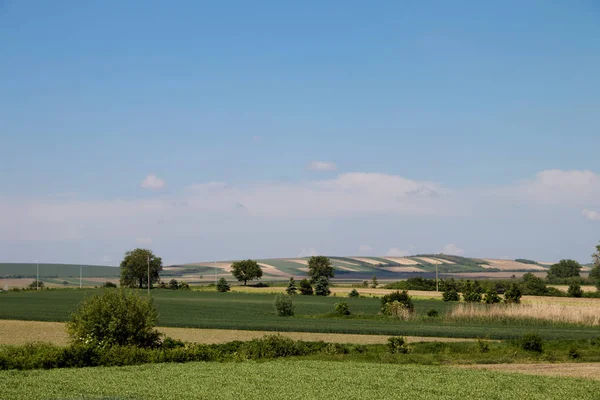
{"x": 363, "y": 267}
{"x": 29, "y": 270}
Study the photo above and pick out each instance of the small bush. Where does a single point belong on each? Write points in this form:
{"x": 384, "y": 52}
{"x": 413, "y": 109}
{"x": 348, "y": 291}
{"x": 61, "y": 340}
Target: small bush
{"x": 170, "y": 343}
{"x": 306, "y": 288}
{"x": 36, "y": 284}
{"x": 223, "y": 286}
{"x": 365, "y": 284}
{"x": 532, "y": 342}
{"x": 401, "y": 297}
{"x": 450, "y": 294}
{"x": 173, "y": 284}
{"x": 322, "y": 287}
{"x": 353, "y": 293}
{"x": 482, "y": 347}
{"x": 575, "y": 290}
{"x": 491, "y": 297}
{"x": 109, "y": 285}
{"x": 291, "y": 289}
{"x": 513, "y": 294}
{"x": 284, "y": 305}
{"x": 397, "y": 345}
{"x": 183, "y": 286}
{"x": 432, "y": 312}
{"x": 115, "y": 317}
{"x": 574, "y": 353}
{"x": 342, "y": 308}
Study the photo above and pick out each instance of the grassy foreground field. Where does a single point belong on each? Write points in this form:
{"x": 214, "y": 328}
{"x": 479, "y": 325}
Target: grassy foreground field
{"x": 246, "y": 311}
{"x": 286, "y": 379}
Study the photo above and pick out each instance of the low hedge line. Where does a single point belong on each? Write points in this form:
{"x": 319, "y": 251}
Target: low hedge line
{"x": 46, "y": 356}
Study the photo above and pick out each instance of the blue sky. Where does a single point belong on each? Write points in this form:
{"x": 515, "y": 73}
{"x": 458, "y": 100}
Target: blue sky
{"x": 277, "y": 129}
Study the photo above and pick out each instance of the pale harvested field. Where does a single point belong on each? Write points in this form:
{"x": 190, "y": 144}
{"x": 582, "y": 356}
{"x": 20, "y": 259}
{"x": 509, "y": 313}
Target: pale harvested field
{"x": 366, "y": 260}
{"x": 431, "y": 260}
{"x": 21, "y": 332}
{"x": 492, "y": 275}
{"x": 511, "y": 265}
{"x": 584, "y": 314}
{"x": 573, "y": 370}
{"x": 343, "y": 268}
{"x": 403, "y": 269}
{"x": 271, "y": 270}
{"x": 401, "y": 260}
{"x": 340, "y": 291}
{"x": 564, "y": 288}
{"x": 226, "y": 266}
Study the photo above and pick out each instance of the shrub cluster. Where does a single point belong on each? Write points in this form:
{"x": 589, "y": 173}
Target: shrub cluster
{"x": 46, "y": 356}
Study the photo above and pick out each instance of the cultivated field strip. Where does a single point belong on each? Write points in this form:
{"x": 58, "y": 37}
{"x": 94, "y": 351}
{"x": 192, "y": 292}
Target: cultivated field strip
{"x": 21, "y": 332}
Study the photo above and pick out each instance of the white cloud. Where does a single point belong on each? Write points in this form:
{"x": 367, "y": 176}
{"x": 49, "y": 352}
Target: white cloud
{"x": 308, "y": 253}
{"x": 557, "y": 187}
{"x": 143, "y": 240}
{"x": 153, "y": 182}
{"x": 322, "y": 166}
{"x": 396, "y": 252}
{"x": 365, "y": 248}
{"x": 452, "y": 250}
{"x": 591, "y": 215}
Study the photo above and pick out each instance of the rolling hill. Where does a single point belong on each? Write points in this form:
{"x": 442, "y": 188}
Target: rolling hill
{"x": 360, "y": 268}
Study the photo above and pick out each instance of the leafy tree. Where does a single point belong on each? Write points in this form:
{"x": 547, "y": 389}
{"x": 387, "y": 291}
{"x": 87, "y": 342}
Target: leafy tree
{"x": 365, "y": 284}
{"x": 575, "y": 290}
{"x": 342, "y": 308}
{"x": 291, "y": 289}
{"x": 284, "y": 305}
{"x": 223, "y": 286}
{"x": 306, "y": 288}
{"x": 246, "y": 270}
{"x": 401, "y": 297}
{"x": 173, "y": 284}
{"x": 320, "y": 266}
{"x": 36, "y": 284}
{"x": 322, "y": 286}
{"x": 564, "y": 269}
{"x": 353, "y": 293}
{"x": 134, "y": 268}
{"x": 115, "y": 317}
{"x": 374, "y": 282}
{"x": 532, "y": 285}
{"x": 450, "y": 294}
{"x": 513, "y": 294}
{"x": 491, "y": 297}
{"x": 595, "y": 272}
{"x": 471, "y": 293}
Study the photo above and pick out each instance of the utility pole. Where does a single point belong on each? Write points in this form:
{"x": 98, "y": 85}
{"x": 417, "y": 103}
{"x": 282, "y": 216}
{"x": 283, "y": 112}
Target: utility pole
{"x": 437, "y": 288}
{"x": 80, "y": 275}
{"x": 37, "y": 281}
{"x": 148, "y": 275}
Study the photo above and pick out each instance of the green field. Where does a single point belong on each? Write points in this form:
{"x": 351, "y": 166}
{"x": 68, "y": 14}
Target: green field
{"x": 288, "y": 379}
{"x": 17, "y": 270}
{"x": 250, "y": 311}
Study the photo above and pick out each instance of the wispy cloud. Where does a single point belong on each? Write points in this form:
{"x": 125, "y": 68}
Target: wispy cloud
{"x": 396, "y": 252}
{"x": 453, "y": 250}
{"x": 591, "y": 215}
{"x": 322, "y": 166}
{"x": 365, "y": 248}
{"x": 308, "y": 252}
{"x": 153, "y": 182}
{"x": 143, "y": 240}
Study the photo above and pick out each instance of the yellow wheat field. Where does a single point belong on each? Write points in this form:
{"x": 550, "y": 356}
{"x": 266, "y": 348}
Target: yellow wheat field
{"x": 561, "y": 313}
